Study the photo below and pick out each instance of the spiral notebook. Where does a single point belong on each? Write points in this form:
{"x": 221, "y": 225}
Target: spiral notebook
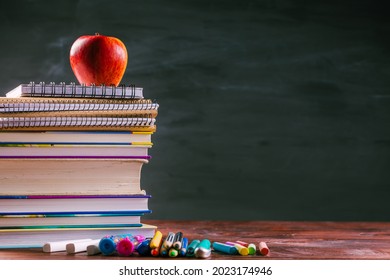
{"x": 41, "y": 107}
{"x": 72, "y": 90}
{"x": 78, "y": 123}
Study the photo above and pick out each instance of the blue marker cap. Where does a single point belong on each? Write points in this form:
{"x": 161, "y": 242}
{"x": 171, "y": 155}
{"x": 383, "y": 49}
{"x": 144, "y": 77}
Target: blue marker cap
{"x": 225, "y": 248}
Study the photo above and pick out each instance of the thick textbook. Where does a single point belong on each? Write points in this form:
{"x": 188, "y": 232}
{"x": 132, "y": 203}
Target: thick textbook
{"x": 73, "y": 151}
{"x": 79, "y": 176}
{"x": 72, "y": 90}
{"x": 92, "y": 204}
{"x": 35, "y": 238}
{"x": 70, "y": 219}
{"x": 76, "y": 137}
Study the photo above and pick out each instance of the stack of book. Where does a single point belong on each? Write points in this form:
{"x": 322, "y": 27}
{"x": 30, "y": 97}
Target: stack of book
{"x": 71, "y": 159}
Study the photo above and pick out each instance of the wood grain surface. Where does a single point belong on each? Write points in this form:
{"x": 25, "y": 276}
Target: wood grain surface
{"x": 285, "y": 239}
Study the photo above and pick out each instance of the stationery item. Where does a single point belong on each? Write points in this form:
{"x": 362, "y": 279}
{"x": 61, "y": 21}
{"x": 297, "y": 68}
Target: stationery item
{"x": 168, "y": 241}
{"x": 144, "y": 247}
{"x": 156, "y": 240}
{"x": 107, "y": 219}
{"x": 56, "y": 246}
{"x": 177, "y": 241}
{"x": 77, "y": 137}
{"x": 263, "y": 248}
{"x": 244, "y": 251}
{"x": 93, "y": 250}
{"x": 163, "y": 251}
{"x": 192, "y": 247}
{"x": 225, "y": 248}
{"x": 173, "y": 253}
{"x": 37, "y": 237}
{"x": 72, "y": 90}
{"x": 155, "y": 252}
{"x": 126, "y": 245}
{"x": 242, "y": 243}
{"x": 203, "y": 250}
{"x": 252, "y": 249}
{"x": 72, "y": 151}
{"x": 107, "y": 244}
{"x": 19, "y": 123}
{"x": 73, "y": 204}
{"x": 37, "y": 106}
{"x": 80, "y": 246}
{"x": 184, "y": 246}
{"x": 76, "y": 176}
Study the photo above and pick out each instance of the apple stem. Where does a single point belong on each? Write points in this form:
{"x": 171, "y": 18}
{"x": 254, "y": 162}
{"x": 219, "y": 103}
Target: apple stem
{"x": 97, "y": 34}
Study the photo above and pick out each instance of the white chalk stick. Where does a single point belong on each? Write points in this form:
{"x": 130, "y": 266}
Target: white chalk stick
{"x": 58, "y": 246}
{"x": 77, "y": 247}
{"x": 93, "y": 250}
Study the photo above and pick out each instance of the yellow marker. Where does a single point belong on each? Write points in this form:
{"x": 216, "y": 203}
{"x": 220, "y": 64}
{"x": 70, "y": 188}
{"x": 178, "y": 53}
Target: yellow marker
{"x": 156, "y": 240}
{"x": 243, "y": 251}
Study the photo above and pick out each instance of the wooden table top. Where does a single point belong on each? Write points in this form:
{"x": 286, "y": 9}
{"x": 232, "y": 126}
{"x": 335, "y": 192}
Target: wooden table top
{"x": 285, "y": 239}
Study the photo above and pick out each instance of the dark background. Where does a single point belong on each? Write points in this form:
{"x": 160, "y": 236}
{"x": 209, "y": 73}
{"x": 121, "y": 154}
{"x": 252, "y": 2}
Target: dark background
{"x": 268, "y": 109}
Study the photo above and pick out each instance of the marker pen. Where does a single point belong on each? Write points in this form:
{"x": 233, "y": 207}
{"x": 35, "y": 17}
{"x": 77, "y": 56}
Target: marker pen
{"x": 203, "y": 250}
{"x": 177, "y": 240}
{"x": 184, "y": 246}
{"x": 191, "y": 248}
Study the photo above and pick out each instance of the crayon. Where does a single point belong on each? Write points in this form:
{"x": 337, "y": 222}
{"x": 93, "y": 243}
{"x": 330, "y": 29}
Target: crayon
{"x": 77, "y": 247}
{"x": 168, "y": 241}
{"x": 263, "y": 248}
{"x": 191, "y": 248}
{"x": 203, "y": 250}
{"x": 59, "y": 245}
{"x": 156, "y": 240}
{"x": 144, "y": 247}
{"x": 242, "y": 243}
{"x": 184, "y": 246}
{"x": 243, "y": 251}
{"x": 225, "y": 248}
{"x": 177, "y": 240}
{"x": 173, "y": 253}
{"x": 252, "y": 249}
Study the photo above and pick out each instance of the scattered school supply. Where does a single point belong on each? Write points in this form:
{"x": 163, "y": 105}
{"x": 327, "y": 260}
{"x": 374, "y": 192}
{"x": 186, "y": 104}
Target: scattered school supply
{"x": 203, "y": 250}
{"x": 143, "y": 248}
{"x": 173, "y": 253}
{"x": 263, "y": 248}
{"x": 225, "y": 248}
{"x": 244, "y": 251}
{"x": 156, "y": 240}
{"x": 184, "y": 245}
{"x": 109, "y": 244}
{"x": 192, "y": 247}
{"x": 252, "y": 249}
{"x": 93, "y": 250}
{"x": 80, "y": 246}
{"x": 168, "y": 241}
{"x": 57, "y": 246}
{"x": 177, "y": 241}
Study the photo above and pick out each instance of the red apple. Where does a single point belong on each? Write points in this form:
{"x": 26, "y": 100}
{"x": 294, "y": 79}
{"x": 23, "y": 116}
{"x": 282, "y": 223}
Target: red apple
{"x": 98, "y": 59}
